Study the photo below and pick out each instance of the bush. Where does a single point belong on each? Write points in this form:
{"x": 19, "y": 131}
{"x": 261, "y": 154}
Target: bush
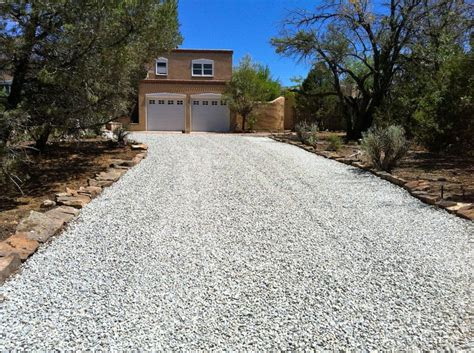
{"x": 335, "y": 143}
{"x": 121, "y": 136}
{"x": 307, "y": 133}
{"x": 385, "y": 147}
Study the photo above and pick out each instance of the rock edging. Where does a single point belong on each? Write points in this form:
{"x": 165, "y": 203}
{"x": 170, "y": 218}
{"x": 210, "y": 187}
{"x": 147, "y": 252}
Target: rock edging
{"x": 38, "y": 227}
{"x": 416, "y": 188}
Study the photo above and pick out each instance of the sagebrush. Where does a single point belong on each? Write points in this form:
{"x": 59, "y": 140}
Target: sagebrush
{"x": 385, "y": 147}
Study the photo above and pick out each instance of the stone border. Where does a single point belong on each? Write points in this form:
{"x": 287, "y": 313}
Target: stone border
{"x": 38, "y": 227}
{"x": 416, "y": 188}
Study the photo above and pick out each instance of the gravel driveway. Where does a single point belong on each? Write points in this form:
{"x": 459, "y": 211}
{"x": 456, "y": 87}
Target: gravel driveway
{"x": 243, "y": 243}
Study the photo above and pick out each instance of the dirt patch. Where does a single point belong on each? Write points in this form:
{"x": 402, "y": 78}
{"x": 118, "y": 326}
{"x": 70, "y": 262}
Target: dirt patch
{"x": 452, "y": 173}
{"x": 66, "y": 164}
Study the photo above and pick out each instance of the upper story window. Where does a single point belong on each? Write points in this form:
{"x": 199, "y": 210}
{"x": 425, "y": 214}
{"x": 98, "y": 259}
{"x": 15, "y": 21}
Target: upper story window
{"x": 161, "y": 67}
{"x": 203, "y": 67}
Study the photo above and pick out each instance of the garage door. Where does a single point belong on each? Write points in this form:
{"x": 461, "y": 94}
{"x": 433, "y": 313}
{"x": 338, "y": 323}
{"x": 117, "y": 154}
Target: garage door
{"x": 165, "y": 113}
{"x": 209, "y": 113}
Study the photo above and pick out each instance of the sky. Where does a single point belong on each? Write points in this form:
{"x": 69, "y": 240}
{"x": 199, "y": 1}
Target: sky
{"x": 245, "y": 26}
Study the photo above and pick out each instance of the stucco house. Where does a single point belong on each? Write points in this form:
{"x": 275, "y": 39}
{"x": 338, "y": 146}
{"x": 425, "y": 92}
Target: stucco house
{"x": 182, "y": 92}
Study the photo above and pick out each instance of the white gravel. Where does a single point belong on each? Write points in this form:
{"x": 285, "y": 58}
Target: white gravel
{"x": 242, "y": 243}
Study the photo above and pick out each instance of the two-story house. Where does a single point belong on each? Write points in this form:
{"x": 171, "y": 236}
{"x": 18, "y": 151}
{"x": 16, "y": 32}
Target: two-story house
{"x": 183, "y": 92}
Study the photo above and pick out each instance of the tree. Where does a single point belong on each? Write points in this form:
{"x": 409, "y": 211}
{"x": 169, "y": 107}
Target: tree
{"x": 77, "y": 64}
{"x": 312, "y": 102}
{"x": 362, "y": 47}
{"x": 251, "y": 84}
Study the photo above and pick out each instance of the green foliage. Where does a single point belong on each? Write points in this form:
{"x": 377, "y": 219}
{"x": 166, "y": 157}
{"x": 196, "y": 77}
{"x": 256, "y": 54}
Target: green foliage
{"x": 334, "y": 143}
{"x": 77, "y": 64}
{"x": 315, "y": 100}
{"x": 384, "y": 147}
{"x": 251, "y": 83}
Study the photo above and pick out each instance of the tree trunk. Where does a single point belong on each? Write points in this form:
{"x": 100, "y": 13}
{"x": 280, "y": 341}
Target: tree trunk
{"x": 43, "y": 137}
{"x": 244, "y": 119}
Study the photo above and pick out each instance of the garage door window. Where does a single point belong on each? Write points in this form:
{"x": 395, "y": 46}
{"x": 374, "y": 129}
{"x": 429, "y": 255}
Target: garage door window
{"x": 179, "y": 102}
{"x": 214, "y": 103}
{"x": 160, "y": 101}
{"x": 223, "y": 103}
{"x": 205, "y": 103}
{"x": 170, "y": 102}
{"x": 195, "y": 102}
{"x": 152, "y": 101}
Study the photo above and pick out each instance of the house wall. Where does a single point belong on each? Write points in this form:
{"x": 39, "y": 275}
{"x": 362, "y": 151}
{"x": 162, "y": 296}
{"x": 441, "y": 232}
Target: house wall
{"x": 180, "y": 61}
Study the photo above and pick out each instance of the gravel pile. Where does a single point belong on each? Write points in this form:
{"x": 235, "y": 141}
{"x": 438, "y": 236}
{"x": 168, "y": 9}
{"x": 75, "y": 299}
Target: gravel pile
{"x": 243, "y": 243}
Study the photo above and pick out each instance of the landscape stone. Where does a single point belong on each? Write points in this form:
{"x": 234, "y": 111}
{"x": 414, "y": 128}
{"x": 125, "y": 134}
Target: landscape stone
{"x": 425, "y": 197}
{"x": 446, "y": 203}
{"x": 77, "y": 201}
{"x": 99, "y": 183}
{"x": 62, "y": 214}
{"x": 48, "y": 204}
{"x": 91, "y": 191}
{"x": 468, "y": 214}
{"x": 37, "y": 226}
{"x": 8, "y": 265}
{"x": 18, "y": 244}
{"x": 139, "y": 146}
{"x": 391, "y": 178}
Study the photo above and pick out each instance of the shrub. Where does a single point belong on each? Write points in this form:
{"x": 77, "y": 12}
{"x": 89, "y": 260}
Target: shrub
{"x": 385, "y": 147}
{"x": 307, "y": 133}
{"x": 335, "y": 143}
{"x": 121, "y": 136}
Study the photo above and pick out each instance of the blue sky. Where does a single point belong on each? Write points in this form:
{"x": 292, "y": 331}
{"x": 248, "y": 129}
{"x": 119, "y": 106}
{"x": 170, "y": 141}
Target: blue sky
{"x": 244, "y": 26}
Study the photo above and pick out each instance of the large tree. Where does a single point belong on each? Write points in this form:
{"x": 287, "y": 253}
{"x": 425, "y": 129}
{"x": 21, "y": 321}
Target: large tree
{"x": 363, "y": 44}
{"x": 76, "y": 64}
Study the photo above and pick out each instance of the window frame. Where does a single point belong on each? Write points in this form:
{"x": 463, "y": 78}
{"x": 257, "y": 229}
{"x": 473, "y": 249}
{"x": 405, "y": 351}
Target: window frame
{"x": 161, "y": 60}
{"x": 202, "y": 62}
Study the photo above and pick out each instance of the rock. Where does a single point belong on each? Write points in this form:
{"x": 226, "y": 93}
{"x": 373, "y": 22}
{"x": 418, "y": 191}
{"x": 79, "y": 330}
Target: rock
{"x": 446, "y": 203}
{"x": 18, "y": 244}
{"x": 71, "y": 191}
{"x": 468, "y": 214}
{"x": 48, "y": 204}
{"x": 78, "y": 201}
{"x": 139, "y": 146}
{"x": 111, "y": 174}
{"x": 420, "y": 185}
{"x": 392, "y": 178}
{"x": 99, "y": 183}
{"x": 8, "y": 265}
{"x": 62, "y": 214}
{"x": 457, "y": 207}
{"x": 91, "y": 191}
{"x": 38, "y": 226}
{"x": 426, "y": 198}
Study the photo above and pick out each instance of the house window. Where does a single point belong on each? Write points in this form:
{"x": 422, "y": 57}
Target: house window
{"x": 214, "y": 102}
{"x": 195, "y": 102}
{"x": 205, "y": 102}
{"x": 179, "y": 102}
{"x": 161, "y": 67}
{"x": 203, "y": 67}
{"x": 160, "y": 101}
{"x": 170, "y": 102}
{"x": 152, "y": 101}
{"x": 223, "y": 103}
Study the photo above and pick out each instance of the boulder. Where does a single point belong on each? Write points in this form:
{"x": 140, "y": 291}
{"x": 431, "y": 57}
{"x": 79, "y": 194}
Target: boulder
{"x": 8, "y": 265}
{"x": 48, "y": 204}
{"x": 62, "y": 214}
{"x": 37, "y": 226}
{"x": 18, "y": 244}
{"x": 77, "y": 201}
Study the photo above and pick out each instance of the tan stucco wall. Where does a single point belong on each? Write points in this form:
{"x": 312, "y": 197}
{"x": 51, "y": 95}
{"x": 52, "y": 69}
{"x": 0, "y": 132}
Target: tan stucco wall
{"x": 289, "y": 123}
{"x": 155, "y": 86}
{"x": 179, "y": 65}
{"x": 270, "y": 116}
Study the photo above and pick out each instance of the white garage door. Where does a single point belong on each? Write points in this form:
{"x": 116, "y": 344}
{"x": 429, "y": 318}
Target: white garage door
{"x": 165, "y": 113}
{"x": 209, "y": 113}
